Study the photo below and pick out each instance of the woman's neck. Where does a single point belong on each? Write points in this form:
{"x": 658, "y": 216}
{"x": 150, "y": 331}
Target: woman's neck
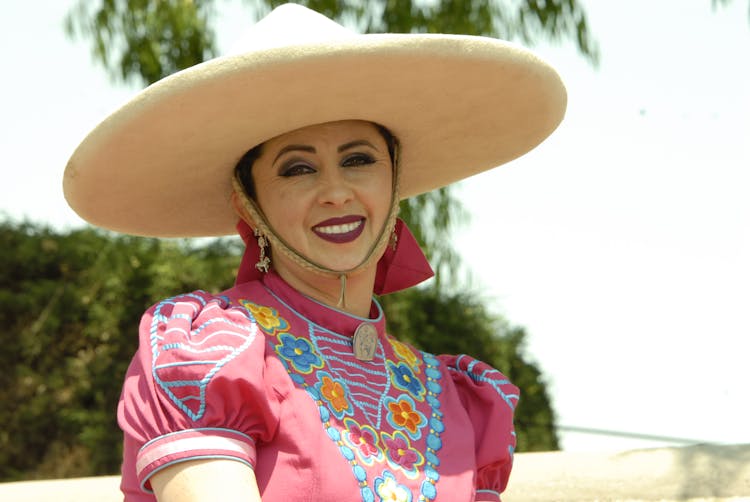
{"x": 355, "y": 298}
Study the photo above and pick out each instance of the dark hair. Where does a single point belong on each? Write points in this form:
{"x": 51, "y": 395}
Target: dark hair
{"x": 244, "y": 168}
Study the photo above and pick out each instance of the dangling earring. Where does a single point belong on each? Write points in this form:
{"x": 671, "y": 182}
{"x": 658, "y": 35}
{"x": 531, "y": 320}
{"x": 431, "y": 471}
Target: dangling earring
{"x": 263, "y": 261}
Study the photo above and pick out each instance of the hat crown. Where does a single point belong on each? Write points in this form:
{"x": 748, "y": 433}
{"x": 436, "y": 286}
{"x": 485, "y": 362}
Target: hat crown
{"x": 287, "y": 25}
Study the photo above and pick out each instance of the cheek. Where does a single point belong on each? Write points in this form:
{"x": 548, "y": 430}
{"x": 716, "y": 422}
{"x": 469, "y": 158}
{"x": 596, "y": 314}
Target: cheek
{"x": 384, "y": 193}
{"x": 287, "y": 210}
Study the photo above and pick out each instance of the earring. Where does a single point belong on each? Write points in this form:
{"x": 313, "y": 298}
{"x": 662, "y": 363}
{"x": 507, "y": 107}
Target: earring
{"x": 263, "y": 261}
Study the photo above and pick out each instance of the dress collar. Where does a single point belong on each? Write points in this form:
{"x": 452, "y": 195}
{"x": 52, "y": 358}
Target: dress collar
{"x": 324, "y": 316}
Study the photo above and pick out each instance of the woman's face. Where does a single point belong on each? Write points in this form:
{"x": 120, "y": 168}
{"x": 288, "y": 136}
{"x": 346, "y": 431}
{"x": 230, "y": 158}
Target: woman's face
{"x": 326, "y": 191}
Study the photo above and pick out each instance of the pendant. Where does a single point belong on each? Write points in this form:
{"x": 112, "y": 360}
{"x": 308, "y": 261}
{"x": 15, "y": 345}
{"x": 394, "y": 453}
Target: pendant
{"x": 365, "y": 342}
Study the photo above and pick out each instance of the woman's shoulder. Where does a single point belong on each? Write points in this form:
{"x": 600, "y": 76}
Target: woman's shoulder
{"x": 477, "y": 379}
{"x": 459, "y": 366}
{"x": 201, "y": 318}
{"x": 203, "y": 307}
{"x": 192, "y": 339}
{"x": 196, "y": 314}
{"x": 479, "y": 371}
{"x": 471, "y": 377}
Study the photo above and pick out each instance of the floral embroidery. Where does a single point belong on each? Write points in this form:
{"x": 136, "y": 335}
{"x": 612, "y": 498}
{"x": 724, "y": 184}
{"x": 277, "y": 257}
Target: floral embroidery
{"x": 334, "y": 393}
{"x": 395, "y": 460}
{"x": 404, "y": 379}
{"x": 268, "y": 318}
{"x": 404, "y": 352}
{"x": 388, "y": 489}
{"x": 299, "y": 352}
{"x": 401, "y": 454}
{"x": 403, "y": 415}
{"x": 364, "y": 439}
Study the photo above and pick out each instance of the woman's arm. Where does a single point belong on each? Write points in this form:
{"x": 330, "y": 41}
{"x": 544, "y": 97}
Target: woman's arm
{"x": 205, "y": 480}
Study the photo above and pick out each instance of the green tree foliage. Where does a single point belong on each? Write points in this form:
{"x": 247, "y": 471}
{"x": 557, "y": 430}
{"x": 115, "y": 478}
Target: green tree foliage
{"x": 69, "y": 307}
{"x": 147, "y": 40}
{"x": 70, "y": 304}
{"x": 724, "y": 3}
{"x": 143, "y": 39}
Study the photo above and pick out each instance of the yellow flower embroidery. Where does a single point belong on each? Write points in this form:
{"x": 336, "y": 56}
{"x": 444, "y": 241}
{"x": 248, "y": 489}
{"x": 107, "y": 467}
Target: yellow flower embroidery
{"x": 266, "y": 317}
{"x": 404, "y": 352}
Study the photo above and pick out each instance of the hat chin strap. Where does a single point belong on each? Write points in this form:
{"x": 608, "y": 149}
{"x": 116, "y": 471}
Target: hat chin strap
{"x": 278, "y": 244}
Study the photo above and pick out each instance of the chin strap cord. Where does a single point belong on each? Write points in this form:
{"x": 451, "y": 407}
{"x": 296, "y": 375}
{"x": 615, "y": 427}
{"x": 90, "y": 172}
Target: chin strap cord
{"x": 257, "y": 220}
{"x": 342, "y": 297}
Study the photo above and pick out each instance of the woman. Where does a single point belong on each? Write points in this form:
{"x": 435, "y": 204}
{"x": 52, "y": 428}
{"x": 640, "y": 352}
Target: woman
{"x": 286, "y": 386}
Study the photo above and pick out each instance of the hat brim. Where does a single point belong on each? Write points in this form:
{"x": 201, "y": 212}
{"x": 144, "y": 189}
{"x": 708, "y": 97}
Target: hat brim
{"x": 161, "y": 165}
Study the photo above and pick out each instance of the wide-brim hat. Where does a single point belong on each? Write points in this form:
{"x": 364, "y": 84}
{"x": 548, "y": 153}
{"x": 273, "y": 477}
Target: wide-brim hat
{"x": 162, "y": 164}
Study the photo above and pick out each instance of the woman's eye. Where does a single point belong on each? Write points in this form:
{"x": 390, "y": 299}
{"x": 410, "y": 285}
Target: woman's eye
{"x": 357, "y": 159}
{"x": 295, "y": 169}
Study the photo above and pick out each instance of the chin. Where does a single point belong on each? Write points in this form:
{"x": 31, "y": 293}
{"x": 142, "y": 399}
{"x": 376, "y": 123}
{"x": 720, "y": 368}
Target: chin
{"x": 341, "y": 264}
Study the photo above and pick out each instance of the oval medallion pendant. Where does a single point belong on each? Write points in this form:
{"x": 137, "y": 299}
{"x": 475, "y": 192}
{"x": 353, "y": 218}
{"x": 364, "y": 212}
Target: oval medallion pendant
{"x": 365, "y": 341}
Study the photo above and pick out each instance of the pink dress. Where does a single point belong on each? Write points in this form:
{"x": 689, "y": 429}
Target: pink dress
{"x": 266, "y": 376}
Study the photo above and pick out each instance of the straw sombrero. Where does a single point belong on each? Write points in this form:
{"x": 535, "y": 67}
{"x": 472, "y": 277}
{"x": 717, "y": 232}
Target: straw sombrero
{"x": 161, "y": 165}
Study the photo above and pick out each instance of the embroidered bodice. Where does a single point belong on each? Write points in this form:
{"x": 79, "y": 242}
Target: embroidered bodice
{"x": 266, "y": 376}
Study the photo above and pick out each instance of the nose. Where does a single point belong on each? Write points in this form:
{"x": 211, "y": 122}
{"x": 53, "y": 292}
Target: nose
{"x": 334, "y": 189}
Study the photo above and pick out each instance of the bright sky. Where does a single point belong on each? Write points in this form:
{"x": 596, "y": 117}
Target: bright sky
{"x": 622, "y": 244}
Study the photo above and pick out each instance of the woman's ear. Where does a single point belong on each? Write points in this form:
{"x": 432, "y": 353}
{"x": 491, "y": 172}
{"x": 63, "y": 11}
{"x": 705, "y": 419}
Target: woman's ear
{"x": 239, "y": 208}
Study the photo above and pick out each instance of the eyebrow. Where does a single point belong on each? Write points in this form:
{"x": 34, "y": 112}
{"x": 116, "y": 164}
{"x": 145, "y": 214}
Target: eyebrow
{"x": 292, "y": 148}
{"x": 356, "y": 142}
{"x": 311, "y": 149}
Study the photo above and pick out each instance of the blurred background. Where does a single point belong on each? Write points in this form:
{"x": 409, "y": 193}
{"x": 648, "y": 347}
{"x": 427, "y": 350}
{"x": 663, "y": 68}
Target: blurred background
{"x": 606, "y": 272}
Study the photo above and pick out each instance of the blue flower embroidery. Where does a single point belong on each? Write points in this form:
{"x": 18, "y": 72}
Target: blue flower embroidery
{"x": 299, "y": 352}
{"x": 404, "y": 379}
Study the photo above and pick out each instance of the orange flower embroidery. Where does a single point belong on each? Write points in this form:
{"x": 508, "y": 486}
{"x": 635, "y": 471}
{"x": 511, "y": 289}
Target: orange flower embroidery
{"x": 334, "y": 394}
{"x": 404, "y": 415}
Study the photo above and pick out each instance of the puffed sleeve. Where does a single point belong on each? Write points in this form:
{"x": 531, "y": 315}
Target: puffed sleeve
{"x": 197, "y": 388}
{"x": 490, "y": 400}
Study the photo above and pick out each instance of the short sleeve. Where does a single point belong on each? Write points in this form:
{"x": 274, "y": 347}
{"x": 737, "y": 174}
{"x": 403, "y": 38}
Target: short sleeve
{"x": 197, "y": 388}
{"x": 490, "y": 400}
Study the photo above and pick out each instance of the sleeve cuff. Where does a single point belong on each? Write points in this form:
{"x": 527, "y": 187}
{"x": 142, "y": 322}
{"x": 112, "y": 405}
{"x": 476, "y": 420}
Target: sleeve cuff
{"x": 192, "y": 444}
{"x": 487, "y": 496}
